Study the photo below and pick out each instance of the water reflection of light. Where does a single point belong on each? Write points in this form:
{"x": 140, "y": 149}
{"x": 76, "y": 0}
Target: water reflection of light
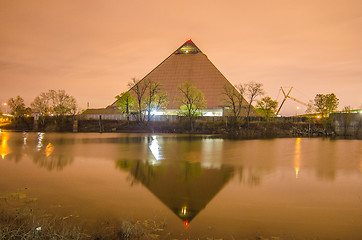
{"x": 155, "y": 148}
{"x": 25, "y": 137}
{"x": 183, "y": 214}
{"x": 49, "y": 149}
{"x": 360, "y": 156}
{"x": 212, "y": 150}
{"x": 297, "y": 157}
{"x": 4, "y": 149}
{"x": 40, "y": 141}
{"x": 184, "y": 210}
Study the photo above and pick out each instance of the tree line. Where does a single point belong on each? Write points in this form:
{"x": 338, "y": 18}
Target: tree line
{"x": 145, "y": 97}
{"x": 51, "y": 103}
{"x": 55, "y": 103}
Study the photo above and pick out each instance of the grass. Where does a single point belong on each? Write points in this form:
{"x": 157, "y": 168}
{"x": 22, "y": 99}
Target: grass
{"x": 20, "y": 218}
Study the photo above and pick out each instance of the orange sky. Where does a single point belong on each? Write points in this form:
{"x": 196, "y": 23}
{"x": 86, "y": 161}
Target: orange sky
{"x": 93, "y": 48}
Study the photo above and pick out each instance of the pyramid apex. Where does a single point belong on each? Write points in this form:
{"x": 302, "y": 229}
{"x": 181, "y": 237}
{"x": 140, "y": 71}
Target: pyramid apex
{"x": 188, "y": 47}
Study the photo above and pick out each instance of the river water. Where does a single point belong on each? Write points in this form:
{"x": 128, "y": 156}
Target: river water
{"x": 291, "y": 188}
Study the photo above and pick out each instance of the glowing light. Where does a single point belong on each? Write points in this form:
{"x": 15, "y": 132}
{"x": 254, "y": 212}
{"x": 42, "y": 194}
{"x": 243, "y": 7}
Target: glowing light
{"x": 49, "y": 149}
{"x": 155, "y": 148}
{"x": 40, "y": 141}
{"x": 5, "y": 104}
{"x": 297, "y": 157}
{"x": 360, "y": 164}
{"x": 25, "y": 136}
{"x": 4, "y": 149}
{"x": 184, "y": 210}
{"x": 318, "y": 116}
{"x": 156, "y": 113}
{"x": 186, "y": 222}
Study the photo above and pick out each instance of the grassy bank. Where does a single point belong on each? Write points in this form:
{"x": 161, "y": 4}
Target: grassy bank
{"x": 228, "y": 129}
{"x": 21, "y": 218}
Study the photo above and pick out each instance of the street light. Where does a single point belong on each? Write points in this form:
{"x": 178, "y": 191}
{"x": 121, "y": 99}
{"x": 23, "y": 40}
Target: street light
{"x": 5, "y": 106}
{"x": 297, "y": 111}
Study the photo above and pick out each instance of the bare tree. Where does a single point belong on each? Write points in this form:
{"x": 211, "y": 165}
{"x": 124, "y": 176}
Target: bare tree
{"x": 155, "y": 98}
{"x": 233, "y": 98}
{"x": 253, "y": 90}
{"x": 139, "y": 88}
{"x": 54, "y": 102}
{"x": 61, "y": 103}
{"x": 193, "y": 100}
{"x": 310, "y": 108}
{"x": 41, "y": 105}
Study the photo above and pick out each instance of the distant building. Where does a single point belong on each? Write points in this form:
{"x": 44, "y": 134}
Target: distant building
{"x": 187, "y": 63}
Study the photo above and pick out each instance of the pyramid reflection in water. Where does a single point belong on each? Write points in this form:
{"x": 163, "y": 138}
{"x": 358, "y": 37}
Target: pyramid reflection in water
{"x": 183, "y": 179}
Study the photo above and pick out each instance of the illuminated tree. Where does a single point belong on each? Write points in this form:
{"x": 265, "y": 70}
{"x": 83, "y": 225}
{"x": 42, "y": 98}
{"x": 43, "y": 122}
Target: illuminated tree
{"x": 149, "y": 97}
{"x": 57, "y": 103}
{"x": 325, "y": 104}
{"x": 17, "y": 107}
{"x": 125, "y": 103}
{"x": 233, "y": 98}
{"x": 61, "y": 103}
{"x": 267, "y": 107}
{"x": 193, "y": 100}
{"x": 155, "y": 98}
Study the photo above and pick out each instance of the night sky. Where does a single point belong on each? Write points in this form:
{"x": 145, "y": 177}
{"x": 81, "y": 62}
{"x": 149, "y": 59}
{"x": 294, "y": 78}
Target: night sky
{"x": 92, "y": 49}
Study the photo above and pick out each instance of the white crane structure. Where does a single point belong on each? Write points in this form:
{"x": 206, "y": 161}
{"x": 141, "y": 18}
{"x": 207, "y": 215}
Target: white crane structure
{"x": 286, "y": 95}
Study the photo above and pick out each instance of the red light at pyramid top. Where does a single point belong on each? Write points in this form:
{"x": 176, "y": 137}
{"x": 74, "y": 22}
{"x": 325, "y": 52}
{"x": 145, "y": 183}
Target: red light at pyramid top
{"x": 188, "y": 47}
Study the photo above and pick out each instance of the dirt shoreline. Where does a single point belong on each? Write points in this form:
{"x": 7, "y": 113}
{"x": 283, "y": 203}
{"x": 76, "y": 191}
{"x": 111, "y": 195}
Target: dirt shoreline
{"x": 232, "y": 130}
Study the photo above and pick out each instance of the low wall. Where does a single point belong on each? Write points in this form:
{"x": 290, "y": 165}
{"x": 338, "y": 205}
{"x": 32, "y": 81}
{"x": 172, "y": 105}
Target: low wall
{"x": 341, "y": 124}
{"x": 348, "y": 124}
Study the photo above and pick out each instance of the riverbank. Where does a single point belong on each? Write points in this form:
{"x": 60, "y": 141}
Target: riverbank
{"x": 109, "y": 180}
{"x": 21, "y": 218}
{"x": 283, "y": 127}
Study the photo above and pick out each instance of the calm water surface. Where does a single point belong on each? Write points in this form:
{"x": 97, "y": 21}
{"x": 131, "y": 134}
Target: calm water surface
{"x": 290, "y": 188}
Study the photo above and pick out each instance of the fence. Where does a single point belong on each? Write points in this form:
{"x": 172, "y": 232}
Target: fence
{"x": 200, "y": 118}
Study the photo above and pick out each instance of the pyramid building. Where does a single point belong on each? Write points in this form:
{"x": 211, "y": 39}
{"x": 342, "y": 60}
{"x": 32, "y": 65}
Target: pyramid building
{"x": 183, "y": 179}
{"x": 175, "y": 186}
{"x": 189, "y": 63}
